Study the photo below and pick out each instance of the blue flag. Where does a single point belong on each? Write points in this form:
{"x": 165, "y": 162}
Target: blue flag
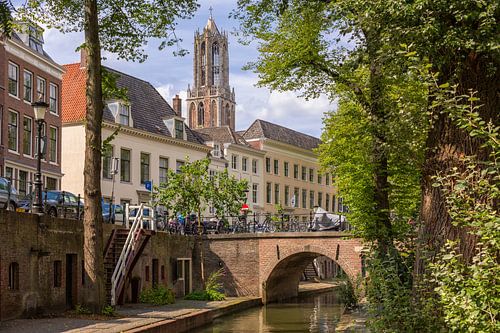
{"x": 149, "y": 185}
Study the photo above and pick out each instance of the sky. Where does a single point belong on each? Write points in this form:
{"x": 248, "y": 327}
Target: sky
{"x": 171, "y": 75}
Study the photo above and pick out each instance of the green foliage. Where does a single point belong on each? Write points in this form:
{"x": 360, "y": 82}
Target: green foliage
{"x": 350, "y": 292}
{"x": 469, "y": 291}
{"x": 5, "y": 17}
{"x": 193, "y": 189}
{"x": 82, "y": 310}
{"x": 109, "y": 311}
{"x": 124, "y": 26}
{"x": 212, "y": 291}
{"x": 158, "y": 295}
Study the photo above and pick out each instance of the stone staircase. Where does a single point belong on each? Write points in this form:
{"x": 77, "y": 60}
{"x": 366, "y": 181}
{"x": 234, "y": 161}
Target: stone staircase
{"x": 310, "y": 273}
{"x": 123, "y": 249}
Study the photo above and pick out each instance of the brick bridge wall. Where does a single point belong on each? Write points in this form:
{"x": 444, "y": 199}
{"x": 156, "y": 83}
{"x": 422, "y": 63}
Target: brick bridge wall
{"x": 270, "y": 265}
{"x": 35, "y": 243}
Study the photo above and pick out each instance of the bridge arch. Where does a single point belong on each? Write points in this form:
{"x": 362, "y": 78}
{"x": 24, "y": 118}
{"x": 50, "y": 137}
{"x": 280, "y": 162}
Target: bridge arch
{"x": 281, "y": 281}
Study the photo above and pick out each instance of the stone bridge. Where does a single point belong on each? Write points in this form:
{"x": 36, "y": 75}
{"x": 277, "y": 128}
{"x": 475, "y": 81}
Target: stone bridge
{"x": 270, "y": 265}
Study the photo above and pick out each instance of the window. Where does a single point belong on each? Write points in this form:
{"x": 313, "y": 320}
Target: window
{"x": 27, "y": 135}
{"x": 51, "y": 183}
{"x": 9, "y": 173}
{"x": 276, "y": 193}
{"x": 340, "y": 207}
{"x": 276, "y": 167}
{"x": 311, "y": 199}
{"x": 53, "y": 144}
{"x": 320, "y": 178}
{"x": 107, "y": 163}
{"x": 13, "y": 79}
{"x": 287, "y": 194}
{"x": 144, "y": 168}
{"x": 244, "y": 162}
{"x": 268, "y": 165}
{"x": 41, "y": 87}
{"x": 255, "y": 192}
{"x": 53, "y": 98}
{"x": 125, "y": 114}
{"x": 215, "y": 64}
{"x": 327, "y": 201}
{"x": 320, "y": 199}
{"x": 304, "y": 198}
{"x": 163, "y": 170}
{"x": 201, "y": 114}
{"x": 333, "y": 204}
{"x": 234, "y": 162}
{"x": 216, "y": 150}
{"x": 254, "y": 166}
{"x": 14, "y": 276}
{"x": 285, "y": 169}
{"x": 23, "y": 183}
{"x": 268, "y": 193}
{"x": 178, "y": 166}
{"x": 57, "y": 273}
{"x": 295, "y": 199}
{"x": 12, "y": 129}
{"x": 179, "y": 129}
{"x": 124, "y": 165}
{"x": 304, "y": 173}
{"x": 203, "y": 63}
{"x": 327, "y": 179}
{"x": 311, "y": 175}
{"x": 28, "y": 86}
{"x": 296, "y": 171}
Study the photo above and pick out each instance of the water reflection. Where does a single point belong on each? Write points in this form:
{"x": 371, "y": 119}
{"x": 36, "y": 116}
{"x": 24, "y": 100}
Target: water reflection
{"x": 318, "y": 314}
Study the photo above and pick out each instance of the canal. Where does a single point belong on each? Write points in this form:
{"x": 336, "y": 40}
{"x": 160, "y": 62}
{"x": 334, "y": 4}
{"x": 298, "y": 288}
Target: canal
{"x": 314, "y": 314}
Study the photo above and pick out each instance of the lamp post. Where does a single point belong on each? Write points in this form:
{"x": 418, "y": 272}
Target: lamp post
{"x": 40, "y": 108}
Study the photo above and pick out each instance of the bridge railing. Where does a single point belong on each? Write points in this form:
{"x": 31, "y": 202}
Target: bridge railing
{"x": 252, "y": 223}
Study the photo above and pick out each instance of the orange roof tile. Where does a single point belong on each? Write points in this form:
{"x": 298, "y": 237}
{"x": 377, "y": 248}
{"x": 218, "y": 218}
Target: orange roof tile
{"x": 73, "y": 93}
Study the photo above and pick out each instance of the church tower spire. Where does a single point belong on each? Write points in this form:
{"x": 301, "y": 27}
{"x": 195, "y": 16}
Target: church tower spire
{"x": 210, "y": 101}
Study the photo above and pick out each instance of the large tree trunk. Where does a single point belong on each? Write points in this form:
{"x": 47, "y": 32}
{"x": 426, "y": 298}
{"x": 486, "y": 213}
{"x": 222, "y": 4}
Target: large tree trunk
{"x": 93, "y": 242}
{"x": 446, "y": 144}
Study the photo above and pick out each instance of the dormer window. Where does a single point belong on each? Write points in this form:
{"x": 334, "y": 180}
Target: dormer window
{"x": 121, "y": 112}
{"x": 216, "y": 150}
{"x": 179, "y": 129}
{"x": 125, "y": 114}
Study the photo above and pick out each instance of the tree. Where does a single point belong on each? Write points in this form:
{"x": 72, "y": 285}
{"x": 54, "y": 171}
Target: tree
{"x": 5, "y": 17}
{"x": 193, "y": 189}
{"x": 122, "y": 28}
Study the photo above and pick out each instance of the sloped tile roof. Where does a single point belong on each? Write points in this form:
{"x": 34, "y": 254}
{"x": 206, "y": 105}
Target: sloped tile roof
{"x": 263, "y": 129}
{"x": 147, "y": 106}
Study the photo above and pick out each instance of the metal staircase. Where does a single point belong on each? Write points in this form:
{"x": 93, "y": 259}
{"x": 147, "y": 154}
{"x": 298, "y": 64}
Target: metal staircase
{"x": 124, "y": 248}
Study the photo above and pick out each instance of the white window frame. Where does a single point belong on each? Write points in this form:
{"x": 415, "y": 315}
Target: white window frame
{"x": 24, "y": 86}
{"x": 49, "y": 154}
{"x": 38, "y": 91}
{"x": 31, "y": 136}
{"x": 16, "y": 66}
{"x": 56, "y": 98}
{"x": 234, "y": 161}
{"x": 17, "y": 131}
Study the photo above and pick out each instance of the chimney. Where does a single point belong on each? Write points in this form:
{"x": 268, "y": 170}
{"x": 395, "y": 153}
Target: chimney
{"x": 83, "y": 57}
{"x": 177, "y": 105}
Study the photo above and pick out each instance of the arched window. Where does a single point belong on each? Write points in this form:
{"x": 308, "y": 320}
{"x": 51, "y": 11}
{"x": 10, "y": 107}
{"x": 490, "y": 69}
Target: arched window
{"x": 213, "y": 114}
{"x": 227, "y": 115}
{"x": 203, "y": 63}
{"x": 201, "y": 114}
{"x": 192, "y": 114}
{"x": 14, "y": 276}
{"x": 215, "y": 64}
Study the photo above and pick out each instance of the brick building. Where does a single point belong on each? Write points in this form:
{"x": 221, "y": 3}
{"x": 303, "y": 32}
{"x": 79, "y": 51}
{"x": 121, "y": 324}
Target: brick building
{"x": 27, "y": 74}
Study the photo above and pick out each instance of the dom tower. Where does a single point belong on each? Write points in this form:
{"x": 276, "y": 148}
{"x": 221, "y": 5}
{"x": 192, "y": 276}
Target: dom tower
{"x": 210, "y": 102}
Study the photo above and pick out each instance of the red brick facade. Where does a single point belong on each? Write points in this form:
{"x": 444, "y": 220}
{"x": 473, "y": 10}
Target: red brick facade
{"x": 18, "y": 161}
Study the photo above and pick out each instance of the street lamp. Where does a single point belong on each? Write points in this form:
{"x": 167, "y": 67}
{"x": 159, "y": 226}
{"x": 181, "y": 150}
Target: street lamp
{"x": 40, "y": 108}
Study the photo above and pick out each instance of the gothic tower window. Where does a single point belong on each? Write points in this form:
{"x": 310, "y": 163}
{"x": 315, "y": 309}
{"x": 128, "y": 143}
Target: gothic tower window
{"x": 227, "y": 115}
{"x": 213, "y": 114}
{"x": 192, "y": 114}
{"x": 201, "y": 114}
{"x": 215, "y": 64}
{"x": 203, "y": 64}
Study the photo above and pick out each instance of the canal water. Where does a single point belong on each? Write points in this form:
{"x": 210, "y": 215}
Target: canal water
{"x": 315, "y": 314}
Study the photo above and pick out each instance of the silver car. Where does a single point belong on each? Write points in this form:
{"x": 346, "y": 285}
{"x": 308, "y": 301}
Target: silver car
{"x": 8, "y": 200}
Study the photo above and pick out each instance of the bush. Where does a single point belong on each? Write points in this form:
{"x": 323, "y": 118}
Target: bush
{"x": 212, "y": 290}
{"x": 349, "y": 294}
{"x": 82, "y": 310}
{"x": 158, "y": 295}
{"x": 109, "y": 311}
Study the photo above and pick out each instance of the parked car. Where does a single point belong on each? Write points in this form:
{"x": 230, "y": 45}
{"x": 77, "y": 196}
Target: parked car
{"x": 56, "y": 204}
{"x": 112, "y": 217}
{"x": 8, "y": 195}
